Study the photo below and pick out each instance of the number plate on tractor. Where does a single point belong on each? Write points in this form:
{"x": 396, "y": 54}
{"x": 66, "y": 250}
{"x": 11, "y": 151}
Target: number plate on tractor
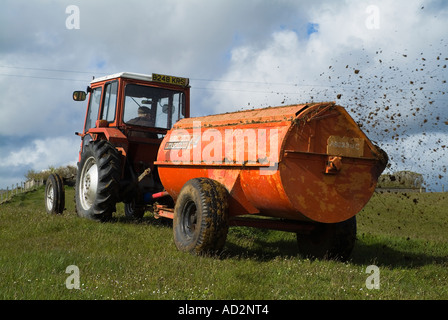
{"x": 183, "y": 82}
{"x": 345, "y": 146}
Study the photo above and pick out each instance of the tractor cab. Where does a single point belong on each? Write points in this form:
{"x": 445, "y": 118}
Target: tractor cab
{"x": 130, "y": 113}
{"x": 143, "y": 106}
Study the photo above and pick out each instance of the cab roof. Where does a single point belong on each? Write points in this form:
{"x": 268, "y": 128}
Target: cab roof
{"x": 129, "y": 75}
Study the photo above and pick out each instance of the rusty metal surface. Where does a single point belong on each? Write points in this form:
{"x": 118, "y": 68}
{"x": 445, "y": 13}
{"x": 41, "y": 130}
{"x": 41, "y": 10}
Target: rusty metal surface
{"x": 308, "y": 163}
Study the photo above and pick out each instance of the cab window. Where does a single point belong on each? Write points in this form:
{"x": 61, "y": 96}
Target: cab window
{"x": 152, "y": 107}
{"x": 110, "y": 101}
{"x": 94, "y": 105}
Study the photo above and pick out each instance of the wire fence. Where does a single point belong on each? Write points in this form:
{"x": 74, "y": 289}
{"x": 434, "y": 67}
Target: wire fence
{"x": 18, "y": 188}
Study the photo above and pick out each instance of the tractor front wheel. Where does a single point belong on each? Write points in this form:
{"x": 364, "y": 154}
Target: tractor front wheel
{"x": 54, "y": 194}
{"x": 134, "y": 210}
{"x": 97, "y": 181}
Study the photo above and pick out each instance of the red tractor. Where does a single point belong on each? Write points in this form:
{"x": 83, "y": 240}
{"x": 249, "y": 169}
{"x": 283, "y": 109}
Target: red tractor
{"x": 305, "y": 168}
{"x": 127, "y": 117}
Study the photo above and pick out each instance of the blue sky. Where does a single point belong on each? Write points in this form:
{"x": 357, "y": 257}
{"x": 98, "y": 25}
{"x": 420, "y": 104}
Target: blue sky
{"x": 238, "y": 55}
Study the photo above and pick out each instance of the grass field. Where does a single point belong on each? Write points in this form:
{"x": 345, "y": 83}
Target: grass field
{"x": 405, "y": 236}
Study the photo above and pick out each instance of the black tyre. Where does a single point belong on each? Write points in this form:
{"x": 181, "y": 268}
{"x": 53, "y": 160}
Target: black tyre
{"x": 54, "y": 194}
{"x": 134, "y": 210}
{"x": 97, "y": 180}
{"x": 200, "y": 223}
{"x": 333, "y": 241}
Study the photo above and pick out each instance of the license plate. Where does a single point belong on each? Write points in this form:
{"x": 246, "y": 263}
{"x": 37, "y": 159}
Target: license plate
{"x": 183, "y": 82}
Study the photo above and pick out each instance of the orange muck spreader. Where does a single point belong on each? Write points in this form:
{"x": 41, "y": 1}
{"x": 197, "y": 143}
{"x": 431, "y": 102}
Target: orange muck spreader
{"x": 305, "y": 168}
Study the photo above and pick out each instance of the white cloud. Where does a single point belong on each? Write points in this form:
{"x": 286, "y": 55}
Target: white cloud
{"x": 342, "y": 40}
{"x": 41, "y": 153}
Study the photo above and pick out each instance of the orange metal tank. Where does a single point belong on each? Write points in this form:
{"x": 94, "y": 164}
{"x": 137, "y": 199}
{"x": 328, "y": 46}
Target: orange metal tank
{"x": 301, "y": 162}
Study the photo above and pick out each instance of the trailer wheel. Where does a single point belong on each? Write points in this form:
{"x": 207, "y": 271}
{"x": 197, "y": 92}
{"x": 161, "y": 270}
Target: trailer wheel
{"x": 54, "y": 194}
{"x": 97, "y": 181}
{"x": 329, "y": 241}
{"x": 200, "y": 223}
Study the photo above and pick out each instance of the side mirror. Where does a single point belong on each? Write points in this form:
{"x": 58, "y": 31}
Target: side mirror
{"x": 79, "y": 96}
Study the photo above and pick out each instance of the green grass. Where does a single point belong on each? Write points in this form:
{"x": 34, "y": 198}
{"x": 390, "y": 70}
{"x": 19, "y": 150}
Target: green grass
{"x": 404, "y": 235}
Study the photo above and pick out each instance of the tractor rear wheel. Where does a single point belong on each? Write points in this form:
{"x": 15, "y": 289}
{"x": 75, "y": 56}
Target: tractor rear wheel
{"x": 200, "y": 223}
{"x": 54, "y": 194}
{"x": 97, "y": 181}
{"x": 333, "y": 241}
